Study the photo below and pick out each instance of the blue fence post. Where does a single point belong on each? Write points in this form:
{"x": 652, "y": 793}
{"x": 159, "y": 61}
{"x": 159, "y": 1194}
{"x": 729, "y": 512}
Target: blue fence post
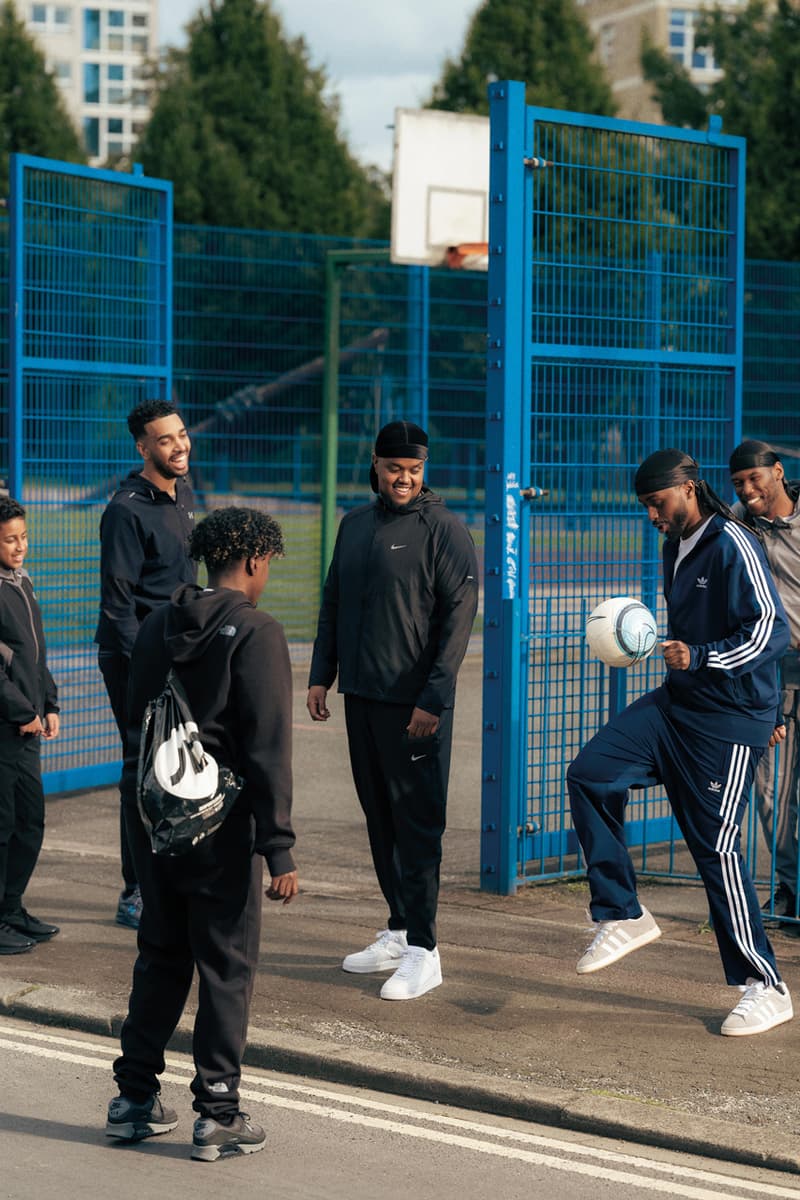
{"x": 16, "y": 322}
{"x": 418, "y": 344}
{"x": 508, "y": 402}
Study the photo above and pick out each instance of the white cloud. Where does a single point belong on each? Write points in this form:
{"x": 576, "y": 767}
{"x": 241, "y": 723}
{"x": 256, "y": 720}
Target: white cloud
{"x": 378, "y": 55}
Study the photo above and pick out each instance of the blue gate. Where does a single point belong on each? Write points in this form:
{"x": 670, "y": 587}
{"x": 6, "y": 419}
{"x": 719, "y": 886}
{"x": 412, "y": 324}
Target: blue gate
{"x": 91, "y": 336}
{"x": 615, "y": 327}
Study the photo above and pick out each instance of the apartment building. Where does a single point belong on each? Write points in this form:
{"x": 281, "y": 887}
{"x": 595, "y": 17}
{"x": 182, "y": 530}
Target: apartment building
{"x": 618, "y": 27}
{"x": 97, "y": 54}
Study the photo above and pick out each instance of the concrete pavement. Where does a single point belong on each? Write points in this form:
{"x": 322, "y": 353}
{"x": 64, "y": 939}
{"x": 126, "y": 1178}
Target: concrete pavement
{"x": 632, "y": 1052}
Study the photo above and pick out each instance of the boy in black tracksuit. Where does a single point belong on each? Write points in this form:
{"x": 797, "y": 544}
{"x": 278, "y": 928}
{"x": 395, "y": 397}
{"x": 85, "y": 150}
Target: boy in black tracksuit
{"x": 28, "y": 712}
{"x": 144, "y": 539}
{"x": 397, "y": 611}
{"x": 203, "y": 908}
{"x": 700, "y": 734}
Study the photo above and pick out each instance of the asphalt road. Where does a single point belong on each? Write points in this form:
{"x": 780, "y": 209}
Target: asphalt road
{"x": 324, "y": 1141}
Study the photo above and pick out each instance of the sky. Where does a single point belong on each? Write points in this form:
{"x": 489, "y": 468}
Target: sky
{"x": 378, "y": 55}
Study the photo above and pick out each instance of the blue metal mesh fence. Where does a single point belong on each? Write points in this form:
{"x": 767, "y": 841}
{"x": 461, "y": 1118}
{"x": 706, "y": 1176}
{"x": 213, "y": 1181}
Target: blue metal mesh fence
{"x": 622, "y": 257}
{"x": 248, "y": 343}
{"x": 249, "y": 337}
{"x": 91, "y": 263}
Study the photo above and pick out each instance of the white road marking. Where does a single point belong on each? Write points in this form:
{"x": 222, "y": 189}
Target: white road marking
{"x": 268, "y": 1092}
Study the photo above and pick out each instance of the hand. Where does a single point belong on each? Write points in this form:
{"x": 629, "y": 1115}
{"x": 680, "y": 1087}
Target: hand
{"x": 778, "y": 735}
{"x": 676, "y": 655}
{"x": 52, "y": 725}
{"x": 315, "y": 703}
{"x": 282, "y": 887}
{"x": 35, "y": 726}
{"x": 422, "y": 724}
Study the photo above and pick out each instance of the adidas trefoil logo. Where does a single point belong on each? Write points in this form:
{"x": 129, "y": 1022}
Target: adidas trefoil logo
{"x": 702, "y": 582}
{"x": 715, "y": 786}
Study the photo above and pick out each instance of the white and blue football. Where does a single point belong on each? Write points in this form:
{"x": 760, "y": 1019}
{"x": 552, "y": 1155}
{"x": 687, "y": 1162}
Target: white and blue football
{"x": 621, "y": 631}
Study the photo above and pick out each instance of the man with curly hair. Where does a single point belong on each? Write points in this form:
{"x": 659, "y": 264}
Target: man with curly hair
{"x": 144, "y": 536}
{"x": 203, "y": 908}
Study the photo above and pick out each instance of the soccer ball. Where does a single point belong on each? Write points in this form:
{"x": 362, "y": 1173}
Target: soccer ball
{"x": 621, "y": 631}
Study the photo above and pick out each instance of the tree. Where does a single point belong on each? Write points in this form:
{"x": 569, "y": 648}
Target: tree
{"x": 33, "y": 118}
{"x": 545, "y": 43}
{"x": 758, "y": 97}
{"x": 243, "y": 126}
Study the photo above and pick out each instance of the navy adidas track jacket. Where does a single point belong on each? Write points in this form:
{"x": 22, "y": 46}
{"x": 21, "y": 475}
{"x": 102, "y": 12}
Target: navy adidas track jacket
{"x": 722, "y": 602}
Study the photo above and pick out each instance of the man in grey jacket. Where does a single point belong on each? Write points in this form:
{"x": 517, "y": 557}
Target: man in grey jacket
{"x": 397, "y": 610}
{"x": 770, "y": 504}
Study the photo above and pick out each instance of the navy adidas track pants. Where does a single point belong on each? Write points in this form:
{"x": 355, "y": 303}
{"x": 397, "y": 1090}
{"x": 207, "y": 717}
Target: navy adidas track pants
{"x": 707, "y": 783}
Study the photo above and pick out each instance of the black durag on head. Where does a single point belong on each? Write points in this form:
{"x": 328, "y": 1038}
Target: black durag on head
{"x": 664, "y": 469}
{"x": 399, "y": 439}
{"x": 750, "y": 454}
{"x": 670, "y": 468}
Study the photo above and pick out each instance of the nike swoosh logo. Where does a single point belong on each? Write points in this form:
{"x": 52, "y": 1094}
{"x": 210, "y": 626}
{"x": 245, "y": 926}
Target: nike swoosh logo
{"x": 403, "y": 547}
{"x": 417, "y": 757}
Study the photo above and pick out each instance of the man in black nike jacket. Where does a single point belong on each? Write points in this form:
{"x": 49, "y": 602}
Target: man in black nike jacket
{"x": 397, "y": 610}
{"x": 144, "y": 556}
{"x": 202, "y": 909}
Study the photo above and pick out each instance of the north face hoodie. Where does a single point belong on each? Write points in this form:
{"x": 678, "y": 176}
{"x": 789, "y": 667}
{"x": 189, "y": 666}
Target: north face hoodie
{"x": 233, "y": 662}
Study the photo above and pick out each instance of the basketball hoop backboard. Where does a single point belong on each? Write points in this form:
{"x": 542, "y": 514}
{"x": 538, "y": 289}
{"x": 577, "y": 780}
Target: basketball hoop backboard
{"x": 440, "y": 189}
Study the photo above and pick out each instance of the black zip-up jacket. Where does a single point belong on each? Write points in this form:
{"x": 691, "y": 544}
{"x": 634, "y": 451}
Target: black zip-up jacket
{"x": 233, "y": 662}
{"x": 398, "y": 604}
{"x": 144, "y": 556}
{"x": 27, "y": 689}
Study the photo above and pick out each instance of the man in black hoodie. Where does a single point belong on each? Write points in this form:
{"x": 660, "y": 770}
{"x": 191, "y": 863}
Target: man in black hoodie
{"x": 203, "y": 908}
{"x": 144, "y": 537}
{"x": 397, "y": 610}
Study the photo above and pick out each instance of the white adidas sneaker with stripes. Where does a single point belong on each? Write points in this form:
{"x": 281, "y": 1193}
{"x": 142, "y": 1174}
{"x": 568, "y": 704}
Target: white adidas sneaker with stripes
{"x": 614, "y": 939}
{"x": 761, "y": 1007}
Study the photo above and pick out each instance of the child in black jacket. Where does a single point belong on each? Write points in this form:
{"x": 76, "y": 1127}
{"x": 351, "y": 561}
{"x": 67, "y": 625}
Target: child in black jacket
{"x": 28, "y": 712}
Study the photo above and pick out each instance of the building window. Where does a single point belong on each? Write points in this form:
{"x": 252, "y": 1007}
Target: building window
{"x": 140, "y": 20}
{"x": 91, "y": 83}
{"x": 91, "y": 135}
{"x": 137, "y": 128}
{"x": 140, "y": 99}
{"x": 116, "y": 17}
{"x": 116, "y": 71}
{"x": 115, "y": 125}
{"x": 115, "y": 95}
{"x": 682, "y": 26}
{"x": 115, "y": 42}
{"x": 140, "y": 44}
{"x": 608, "y": 34}
{"x": 38, "y": 14}
{"x": 91, "y": 29}
{"x": 63, "y": 17}
{"x": 114, "y": 149}
{"x": 63, "y": 71}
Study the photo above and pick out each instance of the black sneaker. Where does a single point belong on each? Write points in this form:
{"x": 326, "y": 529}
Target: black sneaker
{"x": 129, "y": 908}
{"x": 130, "y": 1122}
{"x": 12, "y": 942}
{"x": 785, "y": 903}
{"x": 212, "y": 1139}
{"x": 29, "y": 926}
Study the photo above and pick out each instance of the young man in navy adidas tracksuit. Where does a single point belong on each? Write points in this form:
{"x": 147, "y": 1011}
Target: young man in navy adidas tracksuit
{"x": 700, "y": 735}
